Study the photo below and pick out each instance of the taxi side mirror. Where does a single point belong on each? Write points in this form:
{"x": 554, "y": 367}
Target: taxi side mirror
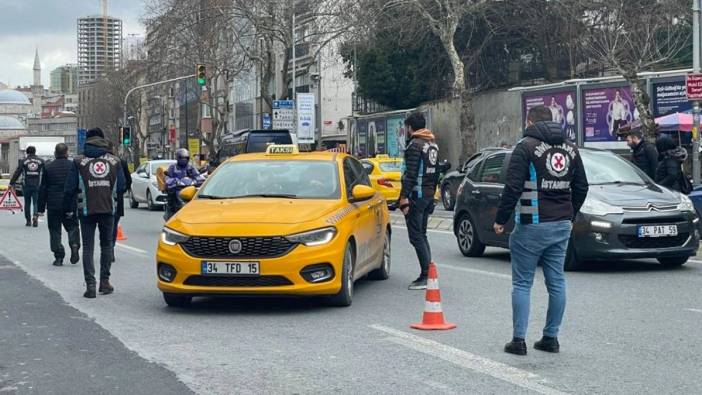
{"x": 362, "y": 192}
{"x": 188, "y": 193}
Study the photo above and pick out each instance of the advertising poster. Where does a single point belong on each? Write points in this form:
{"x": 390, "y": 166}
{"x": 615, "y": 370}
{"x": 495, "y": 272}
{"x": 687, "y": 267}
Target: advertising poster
{"x": 605, "y": 110}
{"x": 396, "y": 138}
{"x": 372, "y": 140}
{"x": 306, "y": 120}
{"x": 562, "y": 106}
{"x": 380, "y": 136}
{"x": 669, "y": 98}
{"x": 361, "y": 139}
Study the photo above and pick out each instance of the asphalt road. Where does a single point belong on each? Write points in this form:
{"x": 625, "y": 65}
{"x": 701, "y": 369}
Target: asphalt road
{"x": 630, "y": 327}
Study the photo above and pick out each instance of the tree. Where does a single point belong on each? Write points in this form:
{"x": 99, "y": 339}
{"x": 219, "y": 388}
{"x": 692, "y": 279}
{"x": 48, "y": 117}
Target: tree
{"x": 634, "y": 36}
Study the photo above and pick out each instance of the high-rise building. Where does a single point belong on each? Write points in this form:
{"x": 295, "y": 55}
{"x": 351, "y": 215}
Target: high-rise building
{"x": 64, "y": 80}
{"x": 99, "y": 47}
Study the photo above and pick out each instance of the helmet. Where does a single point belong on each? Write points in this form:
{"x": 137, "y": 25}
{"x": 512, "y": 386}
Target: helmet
{"x": 182, "y": 153}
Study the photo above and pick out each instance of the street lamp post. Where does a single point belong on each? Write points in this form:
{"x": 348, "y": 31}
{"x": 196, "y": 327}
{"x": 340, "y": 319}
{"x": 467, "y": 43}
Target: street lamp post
{"x": 696, "y": 104}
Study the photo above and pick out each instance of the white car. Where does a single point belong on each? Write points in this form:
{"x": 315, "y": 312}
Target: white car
{"x": 145, "y": 187}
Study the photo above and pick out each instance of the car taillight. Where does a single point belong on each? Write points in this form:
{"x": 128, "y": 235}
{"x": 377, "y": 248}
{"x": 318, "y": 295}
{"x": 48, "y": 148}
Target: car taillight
{"x": 385, "y": 183}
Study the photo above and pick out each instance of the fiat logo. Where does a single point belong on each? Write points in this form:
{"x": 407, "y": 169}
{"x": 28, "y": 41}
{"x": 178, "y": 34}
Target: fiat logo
{"x": 235, "y": 246}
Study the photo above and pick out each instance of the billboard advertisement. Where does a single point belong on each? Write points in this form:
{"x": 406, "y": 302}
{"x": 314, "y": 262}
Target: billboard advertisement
{"x": 669, "y": 97}
{"x": 361, "y": 139}
{"x": 396, "y": 136}
{"x": 306, "y": 119}
{"x": 605, "y": 110}
{"x": 380, "y": 137}
{"x": 562, "y": 106}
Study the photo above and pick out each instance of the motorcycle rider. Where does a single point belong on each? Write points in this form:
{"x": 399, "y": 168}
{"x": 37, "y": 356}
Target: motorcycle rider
{"x": 178, "y": 176}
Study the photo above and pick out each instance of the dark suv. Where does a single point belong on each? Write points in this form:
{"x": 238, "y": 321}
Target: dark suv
{"x": 626, "y": 215}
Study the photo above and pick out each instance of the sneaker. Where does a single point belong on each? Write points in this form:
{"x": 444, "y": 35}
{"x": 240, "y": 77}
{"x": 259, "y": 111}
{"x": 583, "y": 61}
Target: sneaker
{"x": 105, "y": 287}
{"x": 35, "y": 221}
{"x": 419, "y": 283}
{"x": 548, "y": 344}
{"x": 517, "y": 347}
{"x": 58, "y": 262}
{"x": 90, "y": 292}
{"x": 75, "y": 256}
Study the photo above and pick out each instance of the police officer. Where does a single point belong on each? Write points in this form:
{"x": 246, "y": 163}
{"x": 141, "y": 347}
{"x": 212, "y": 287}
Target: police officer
{"x": 51, "y": 198}
{"x": 32, "y": 169}
{"x": 97, "y": 179}
{"x": 419, "y": 179}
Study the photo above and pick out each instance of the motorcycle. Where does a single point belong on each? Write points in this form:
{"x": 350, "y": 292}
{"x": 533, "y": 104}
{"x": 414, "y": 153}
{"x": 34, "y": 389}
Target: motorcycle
{"x": 174, "y": 202}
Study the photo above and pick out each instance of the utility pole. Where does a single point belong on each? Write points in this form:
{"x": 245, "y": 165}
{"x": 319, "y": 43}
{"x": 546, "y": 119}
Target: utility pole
{"x": 696, "y": 104}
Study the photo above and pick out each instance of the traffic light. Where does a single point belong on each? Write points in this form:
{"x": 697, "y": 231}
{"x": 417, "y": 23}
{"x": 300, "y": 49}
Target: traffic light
{"x": 201, "y": 75}
{"x": 126, "y": 133}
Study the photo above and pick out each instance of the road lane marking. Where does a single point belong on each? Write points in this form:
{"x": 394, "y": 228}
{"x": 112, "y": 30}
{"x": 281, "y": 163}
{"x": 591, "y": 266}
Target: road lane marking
{"x": 695, "y": 310}
{"x": 694, "y": 261}
{"x": 473, "y": 362}
{"x": 446, "y": 232}
{"x": 133, "y": 249}
{"x": 477, "y": 271}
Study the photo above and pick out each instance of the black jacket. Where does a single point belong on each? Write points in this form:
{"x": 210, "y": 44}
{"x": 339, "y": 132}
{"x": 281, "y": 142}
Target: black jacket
{"x": 32, "y": 170}
{"x": 669, "y": 171}
{"x": 421, "y": 173}
{"x": 127, "y": 185}
{"x": 52, "y": 184}
{"x": 645, "y": 157}
{"x": 546, "y": 179}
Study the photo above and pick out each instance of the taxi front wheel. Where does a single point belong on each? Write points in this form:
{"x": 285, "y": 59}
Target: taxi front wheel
{"x": 177, "y": 300}
{"x": 345, "y": 295}
{"x": 383, "y": 272}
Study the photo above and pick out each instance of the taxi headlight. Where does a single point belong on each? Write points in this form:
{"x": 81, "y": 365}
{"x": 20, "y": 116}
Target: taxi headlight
{"x": 171, "y": 237}
{"x": 685, "y": 204}
{"x": 594, "y": 206}
{"x": 314, "y": 238}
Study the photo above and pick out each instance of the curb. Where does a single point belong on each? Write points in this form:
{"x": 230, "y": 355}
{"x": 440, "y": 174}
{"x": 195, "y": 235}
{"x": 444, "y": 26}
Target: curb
{"x": 435, "y": 223}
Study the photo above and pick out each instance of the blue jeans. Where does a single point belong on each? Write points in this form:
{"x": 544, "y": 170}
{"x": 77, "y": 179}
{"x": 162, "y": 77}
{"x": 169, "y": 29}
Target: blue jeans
{"x": 529, "y": 245}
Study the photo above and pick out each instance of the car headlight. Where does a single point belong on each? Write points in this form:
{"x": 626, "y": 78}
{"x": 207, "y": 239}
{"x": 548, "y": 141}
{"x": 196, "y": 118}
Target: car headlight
{"x": 594, "y": 206}
{"x": 314, "y": 238}
{"x": 685, "y": 204}
{"x": 171, "y": 237}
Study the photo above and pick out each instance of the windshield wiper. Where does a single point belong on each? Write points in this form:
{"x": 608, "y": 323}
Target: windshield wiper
{"x": 267, "y": 195}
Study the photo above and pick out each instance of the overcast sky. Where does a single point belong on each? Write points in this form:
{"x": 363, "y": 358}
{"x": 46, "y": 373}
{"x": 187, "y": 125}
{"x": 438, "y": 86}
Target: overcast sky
{"x": 50, "y": 25}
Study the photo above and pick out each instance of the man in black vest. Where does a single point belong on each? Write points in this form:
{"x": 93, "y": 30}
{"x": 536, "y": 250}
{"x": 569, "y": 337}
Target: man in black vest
{"x": 51, "y": 199}
{"x": 96, "y": 179}
{"x": 32, "y": 169}
{"x": 547, "y": 184}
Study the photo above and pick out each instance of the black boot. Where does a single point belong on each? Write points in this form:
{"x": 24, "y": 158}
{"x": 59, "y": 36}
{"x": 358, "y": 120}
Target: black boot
{"x": 105, "y": 287}
{"x": 75, "y": 256}
{"x": 548, "y": 344}
{"x": 517, "y": 347}
{"x": 90, "y": 292}
{"x": 58, "y": 262}
{"x": 29, "y": 223}
{"x": 35, "y": 221}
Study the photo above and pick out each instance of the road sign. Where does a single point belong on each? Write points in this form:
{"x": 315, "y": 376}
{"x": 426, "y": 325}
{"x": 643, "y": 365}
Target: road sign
{"x": 284, "y": 114}
{"x": 80, "y": 141}
{"x": 693, "y": 85}
{"x": 306, "y": 121}
{"x": 9, "y": 201}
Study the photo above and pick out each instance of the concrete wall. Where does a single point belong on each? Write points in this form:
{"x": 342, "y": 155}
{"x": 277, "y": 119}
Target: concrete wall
{"x": 444, "y": 121}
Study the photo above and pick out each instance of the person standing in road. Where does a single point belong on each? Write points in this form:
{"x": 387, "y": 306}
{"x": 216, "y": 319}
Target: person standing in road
{"x": 32, "y": 169}
{"x": 51, "y": 194}
{"x": 119, "y": 212}
{"x": 547, "y": 185}
{"x": 643, "y": 153}
{"x": 97, "y": 179}
{"x": 420, "y": 177}
{"x": 669, "y": 172}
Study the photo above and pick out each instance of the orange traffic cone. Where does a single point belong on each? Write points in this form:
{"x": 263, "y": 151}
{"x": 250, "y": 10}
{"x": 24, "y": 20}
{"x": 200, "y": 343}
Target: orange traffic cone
{"x": 433, "y": 318}
{"x": 120, "y": 235}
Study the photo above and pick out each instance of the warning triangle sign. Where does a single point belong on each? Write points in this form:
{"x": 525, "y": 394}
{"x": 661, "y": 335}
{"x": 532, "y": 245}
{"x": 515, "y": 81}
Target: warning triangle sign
{"x": 9, "y": 201}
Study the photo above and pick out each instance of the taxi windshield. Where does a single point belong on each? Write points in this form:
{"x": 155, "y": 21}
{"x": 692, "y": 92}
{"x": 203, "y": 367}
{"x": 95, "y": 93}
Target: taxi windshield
{"x": 391, "y": 166}
{"x": 295, "y": 179}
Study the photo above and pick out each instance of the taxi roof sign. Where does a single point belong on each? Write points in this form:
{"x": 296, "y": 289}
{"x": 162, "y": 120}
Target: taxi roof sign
{"x": 282, "y": 149}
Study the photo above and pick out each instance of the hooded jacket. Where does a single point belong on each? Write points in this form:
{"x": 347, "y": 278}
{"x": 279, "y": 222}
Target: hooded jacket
{"x": 420, "y": 173}
{"x": 546, "y": 180}
{"x": 99, "y": 198}
{"x": 645, "y": 157}
{"x": 669, "y": 171}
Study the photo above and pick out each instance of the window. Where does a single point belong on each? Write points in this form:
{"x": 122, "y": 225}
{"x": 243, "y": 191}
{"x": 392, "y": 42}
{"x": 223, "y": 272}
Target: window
{"x": 360, "y": 173}
{"x": 473, "y": 173}
{"x": 367, "y": 166}
{"x": 492, "y": 169}
{"x": 350, "y": 176}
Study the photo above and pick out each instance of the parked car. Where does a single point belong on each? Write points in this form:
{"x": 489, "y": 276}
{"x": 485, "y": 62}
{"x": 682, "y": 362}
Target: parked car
{"x": 250, "y": 141}
{"x": 626, "y": 215}
{"x": 451, "y": 181}
{"x": 145, "y": 186}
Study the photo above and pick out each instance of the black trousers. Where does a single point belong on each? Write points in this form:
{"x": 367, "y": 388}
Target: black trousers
{"x": 104, "y": 224}
{"x": 417, "y": 219}
{"x": 31, "y": 197}
{"x": 55, "y": 219}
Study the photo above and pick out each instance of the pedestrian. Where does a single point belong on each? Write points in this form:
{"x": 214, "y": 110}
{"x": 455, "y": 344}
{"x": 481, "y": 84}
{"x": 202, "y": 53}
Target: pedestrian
{"x": 51, "y": 196}
{"x": 119, "y": 212}
{"x": 547, "y": 185}
{"x": 669, "y": 172}
{"x": 419, "y": 181}
{"x": 31, "y": 168}
{"x": 97, "y": 180}
{"x": 643, "y": 153}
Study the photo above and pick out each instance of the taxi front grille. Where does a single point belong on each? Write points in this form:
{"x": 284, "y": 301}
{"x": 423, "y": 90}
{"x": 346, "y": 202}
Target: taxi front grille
{"x": 251, "y": 247}
{"x": 230, "y": 281}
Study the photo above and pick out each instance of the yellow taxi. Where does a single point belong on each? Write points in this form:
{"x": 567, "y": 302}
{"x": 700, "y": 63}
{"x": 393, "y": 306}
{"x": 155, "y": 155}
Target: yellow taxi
{"x": 280, "y": 222}
{"x": 385, "y": 174}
